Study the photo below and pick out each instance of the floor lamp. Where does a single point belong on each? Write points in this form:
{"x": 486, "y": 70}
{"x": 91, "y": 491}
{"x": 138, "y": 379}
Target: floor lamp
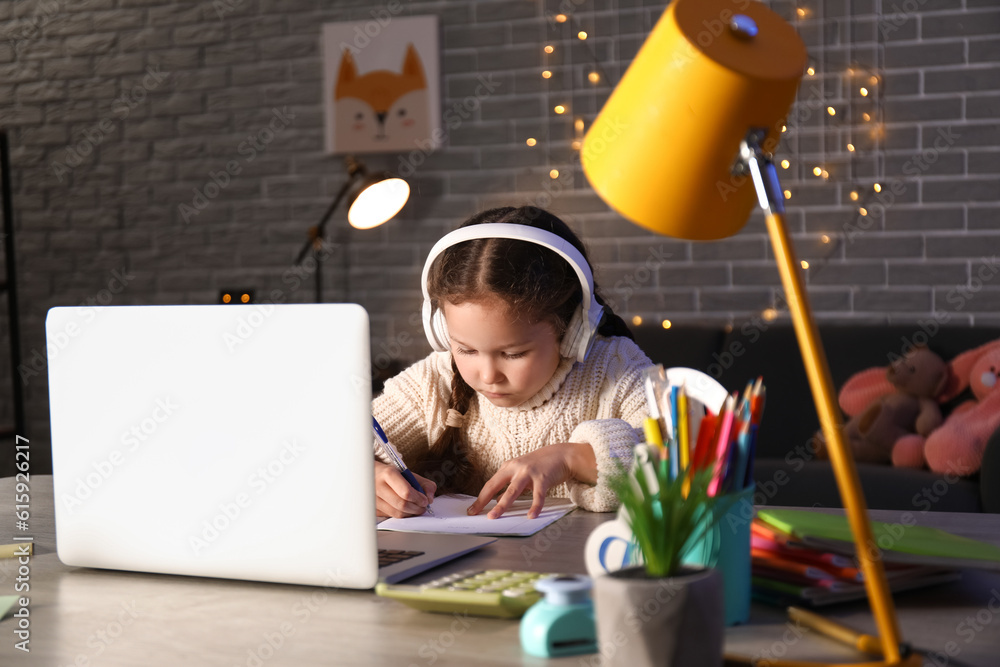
{"x": 683, "y": 147}
{"x": 372, "y": 199}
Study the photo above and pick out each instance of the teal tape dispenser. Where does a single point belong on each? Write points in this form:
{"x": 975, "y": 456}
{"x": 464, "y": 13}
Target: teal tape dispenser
{"x": 561, "y": 623}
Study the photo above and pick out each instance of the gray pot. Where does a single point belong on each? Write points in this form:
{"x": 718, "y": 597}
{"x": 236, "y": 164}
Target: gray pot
{"x": 663, "y": 622}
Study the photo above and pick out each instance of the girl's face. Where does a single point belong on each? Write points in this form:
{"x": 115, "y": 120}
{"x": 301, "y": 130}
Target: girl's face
{"x": 506, "y": 361}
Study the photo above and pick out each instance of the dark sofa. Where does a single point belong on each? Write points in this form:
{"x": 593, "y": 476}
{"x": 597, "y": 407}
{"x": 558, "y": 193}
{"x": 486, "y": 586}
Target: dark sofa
{"x": 785, "y": 469}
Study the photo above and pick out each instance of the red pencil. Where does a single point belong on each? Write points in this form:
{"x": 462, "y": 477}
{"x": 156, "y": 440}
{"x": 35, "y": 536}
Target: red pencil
{"x": 722, "y": 444}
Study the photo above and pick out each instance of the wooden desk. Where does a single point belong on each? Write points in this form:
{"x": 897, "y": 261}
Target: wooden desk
{"x": 92, "y": 617}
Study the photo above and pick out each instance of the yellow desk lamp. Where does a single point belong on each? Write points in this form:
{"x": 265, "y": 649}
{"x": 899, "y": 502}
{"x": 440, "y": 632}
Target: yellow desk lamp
{"x": 683, "y": 148}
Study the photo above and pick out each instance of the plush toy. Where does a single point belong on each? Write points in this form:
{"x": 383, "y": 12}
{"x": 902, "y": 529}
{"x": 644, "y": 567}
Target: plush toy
{"x": 893, "y": 409}
{"x": 957, "y": 446}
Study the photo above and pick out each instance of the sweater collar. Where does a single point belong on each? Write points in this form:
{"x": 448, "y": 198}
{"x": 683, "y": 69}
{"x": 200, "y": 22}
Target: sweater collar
{"x": 551, "y": 387}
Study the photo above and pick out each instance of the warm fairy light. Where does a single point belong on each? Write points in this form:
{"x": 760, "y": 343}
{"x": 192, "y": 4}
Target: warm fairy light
{"x": 582, "y": 34}
{"x": 817, "y": 171}
{"x": 866, "y": 116}
{"x": 666, "y": 324}
{"x": 636, "y": 320}
{"x": 831, "y": 111}
{"x": 554, "y": 174}
{"x": 594, "y": 77}
{"x": 801, "y": 12}
{"x": 825, "y": 174}
{"x": 578, "y": 125}
{"x": 245, "y": 298}
{"x": 547, "y": 74}
{"x": 811, "y": 71}
{"x": 549, "y": 48}
{"x": 805, "y": 264}
{"x": 769, "y": 314}
{"x": 863, "y": 211}
{"x": 854, "y": 195}
{"x": 788, "y": 194}
{"x": 850, "y": 147}
{"x": 226, "y": 298}
{"x": 559, "y": 109}
{"x": 560, "y": 18}
{"x": 824, "y": 238}
{"x": 784, "y": 128}
{"x": 531, "y": 141}
{"x": 785, "y": 164}
{"x": 877, "y": 187}
{"x": 864, "y": 92}
{"x": 873, "y": 80}
{"x": 576, "y": 144}
{"x": 850, "y": 71}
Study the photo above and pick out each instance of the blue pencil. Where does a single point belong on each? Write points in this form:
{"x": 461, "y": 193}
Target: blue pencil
{"x": 674, "y": 440}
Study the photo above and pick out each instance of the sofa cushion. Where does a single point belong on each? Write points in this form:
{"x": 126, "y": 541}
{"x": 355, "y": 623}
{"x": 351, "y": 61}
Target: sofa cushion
{"x": 812, "y": 484}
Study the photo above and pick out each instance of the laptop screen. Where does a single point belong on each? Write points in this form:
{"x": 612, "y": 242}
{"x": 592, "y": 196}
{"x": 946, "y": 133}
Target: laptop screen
{"x": 226, "y": 441}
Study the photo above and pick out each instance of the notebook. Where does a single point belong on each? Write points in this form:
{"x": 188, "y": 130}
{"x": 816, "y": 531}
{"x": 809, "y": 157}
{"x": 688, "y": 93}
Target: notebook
{"x": 221, "y": 441}
{"x": 896, "y": 542}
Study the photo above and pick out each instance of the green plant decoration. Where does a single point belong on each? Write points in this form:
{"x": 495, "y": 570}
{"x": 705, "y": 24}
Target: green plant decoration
{"x": 667, "y": 516}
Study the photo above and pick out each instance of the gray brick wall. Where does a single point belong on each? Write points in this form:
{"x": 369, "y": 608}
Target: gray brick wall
{"x": 120, "y": 111}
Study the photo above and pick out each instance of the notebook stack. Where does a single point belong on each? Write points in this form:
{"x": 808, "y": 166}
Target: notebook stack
{"x": 787, "y": 572}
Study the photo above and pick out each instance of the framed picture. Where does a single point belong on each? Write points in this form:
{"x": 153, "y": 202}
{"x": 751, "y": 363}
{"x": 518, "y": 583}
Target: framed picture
{"x": 381, "y": 85}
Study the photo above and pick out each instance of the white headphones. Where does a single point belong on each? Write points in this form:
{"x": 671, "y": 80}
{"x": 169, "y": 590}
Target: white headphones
{"x": 579, "y": 334}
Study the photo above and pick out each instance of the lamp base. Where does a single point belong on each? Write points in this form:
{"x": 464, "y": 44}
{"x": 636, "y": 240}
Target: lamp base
{"x": 912, "y": 660}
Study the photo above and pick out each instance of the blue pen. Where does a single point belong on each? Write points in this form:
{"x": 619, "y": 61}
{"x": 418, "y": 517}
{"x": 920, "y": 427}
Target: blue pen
{"x": 397, "y": 460}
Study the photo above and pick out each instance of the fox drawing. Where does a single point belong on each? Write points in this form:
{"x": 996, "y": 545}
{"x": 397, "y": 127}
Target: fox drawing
{"x": 380, "y": 110}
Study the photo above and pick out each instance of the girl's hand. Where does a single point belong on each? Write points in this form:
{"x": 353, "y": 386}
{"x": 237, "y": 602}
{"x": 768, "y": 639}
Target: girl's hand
{"x": 540, "y": 470}
{"x": 395, "y": 497}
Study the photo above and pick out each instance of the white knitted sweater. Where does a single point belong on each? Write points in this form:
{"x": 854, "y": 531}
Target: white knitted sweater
{"x": 599, "y": 402}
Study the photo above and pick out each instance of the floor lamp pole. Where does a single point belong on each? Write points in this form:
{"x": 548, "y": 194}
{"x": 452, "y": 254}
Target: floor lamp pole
{"x": 315, "y": 240}
{"x": 771, "y": 200}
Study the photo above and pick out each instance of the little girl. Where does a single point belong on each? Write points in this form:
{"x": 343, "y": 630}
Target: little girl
{"x": 507, "y": 405}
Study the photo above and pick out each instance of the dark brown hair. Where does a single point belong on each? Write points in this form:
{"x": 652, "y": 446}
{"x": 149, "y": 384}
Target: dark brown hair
{"x": 535, "y": 283}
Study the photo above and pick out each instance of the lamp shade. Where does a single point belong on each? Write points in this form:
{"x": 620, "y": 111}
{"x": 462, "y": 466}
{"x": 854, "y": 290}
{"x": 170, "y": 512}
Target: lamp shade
{"x": 662, "y": 150}
{"x": 379, "y": 198}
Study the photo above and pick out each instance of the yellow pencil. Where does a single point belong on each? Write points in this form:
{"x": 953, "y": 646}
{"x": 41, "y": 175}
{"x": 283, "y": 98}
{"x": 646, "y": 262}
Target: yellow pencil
{"x": 842, "y": 633}
{"x": 651, "y": 427}
{"x": 682, "y": 429}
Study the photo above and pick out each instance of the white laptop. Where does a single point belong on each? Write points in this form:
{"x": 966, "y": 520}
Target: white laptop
{"x": 222, "y": 441}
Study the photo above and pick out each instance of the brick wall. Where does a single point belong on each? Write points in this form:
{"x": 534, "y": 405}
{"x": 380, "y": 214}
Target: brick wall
{"x": 121, "y": 111}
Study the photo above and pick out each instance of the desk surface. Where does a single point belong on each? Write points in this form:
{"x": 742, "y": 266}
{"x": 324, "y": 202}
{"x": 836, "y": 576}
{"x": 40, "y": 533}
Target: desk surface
{"x": 90, "y": 617}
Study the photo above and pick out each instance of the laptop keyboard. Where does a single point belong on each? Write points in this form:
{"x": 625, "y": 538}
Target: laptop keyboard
{"x": 388, "y": 557}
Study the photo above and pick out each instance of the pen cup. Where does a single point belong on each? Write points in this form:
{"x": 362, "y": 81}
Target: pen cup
{"x": 726, "y": 547}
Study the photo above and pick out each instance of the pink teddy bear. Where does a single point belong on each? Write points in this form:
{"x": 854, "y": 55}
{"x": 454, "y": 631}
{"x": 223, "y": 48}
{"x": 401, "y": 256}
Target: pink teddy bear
{"x": 957, "y": 446}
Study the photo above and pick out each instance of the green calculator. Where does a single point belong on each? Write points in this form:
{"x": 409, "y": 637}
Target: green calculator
{"x": 499, "y": 593}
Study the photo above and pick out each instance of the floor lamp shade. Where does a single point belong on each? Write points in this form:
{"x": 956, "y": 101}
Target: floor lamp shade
{"x": 379, "y": 199}
{"x": 662, "y": 150}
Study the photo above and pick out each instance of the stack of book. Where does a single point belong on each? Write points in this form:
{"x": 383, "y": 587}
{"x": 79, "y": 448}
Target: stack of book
{"x": 787, "y": 571}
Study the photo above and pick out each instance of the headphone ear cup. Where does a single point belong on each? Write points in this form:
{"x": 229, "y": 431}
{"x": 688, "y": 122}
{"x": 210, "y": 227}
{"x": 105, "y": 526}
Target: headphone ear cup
{"x": 570, "y": 346}
{"x": 435, "y": 327}
{"x": 580, "y": 333}
{"x": 442, "y": 342}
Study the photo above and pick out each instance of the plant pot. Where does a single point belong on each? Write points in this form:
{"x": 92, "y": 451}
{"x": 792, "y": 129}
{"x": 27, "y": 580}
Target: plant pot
{"x": 663, "y": 622}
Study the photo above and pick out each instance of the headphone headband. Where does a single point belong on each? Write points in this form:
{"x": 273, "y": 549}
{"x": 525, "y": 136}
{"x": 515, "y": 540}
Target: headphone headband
{"x": 590, "y": 313}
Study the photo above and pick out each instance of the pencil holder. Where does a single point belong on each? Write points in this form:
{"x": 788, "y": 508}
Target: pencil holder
{"x": 726, "y": 548}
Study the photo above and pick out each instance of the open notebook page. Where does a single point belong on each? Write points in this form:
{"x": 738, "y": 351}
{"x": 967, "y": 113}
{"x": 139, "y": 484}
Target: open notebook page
{"x": 450, "y": 517}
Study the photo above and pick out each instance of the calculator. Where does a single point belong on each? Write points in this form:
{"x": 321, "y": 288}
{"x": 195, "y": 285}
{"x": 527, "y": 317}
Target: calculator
{"x": 499, "y": 593}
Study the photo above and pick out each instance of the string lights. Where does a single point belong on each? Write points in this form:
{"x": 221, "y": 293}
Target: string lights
{"x": 566, "y": 32}
{"x": 849, "y": 114}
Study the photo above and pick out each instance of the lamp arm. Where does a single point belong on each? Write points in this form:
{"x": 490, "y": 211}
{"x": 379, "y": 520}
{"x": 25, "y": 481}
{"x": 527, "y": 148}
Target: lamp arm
{"x": 317, "y": 231}
{"x": 771, "y": 199}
